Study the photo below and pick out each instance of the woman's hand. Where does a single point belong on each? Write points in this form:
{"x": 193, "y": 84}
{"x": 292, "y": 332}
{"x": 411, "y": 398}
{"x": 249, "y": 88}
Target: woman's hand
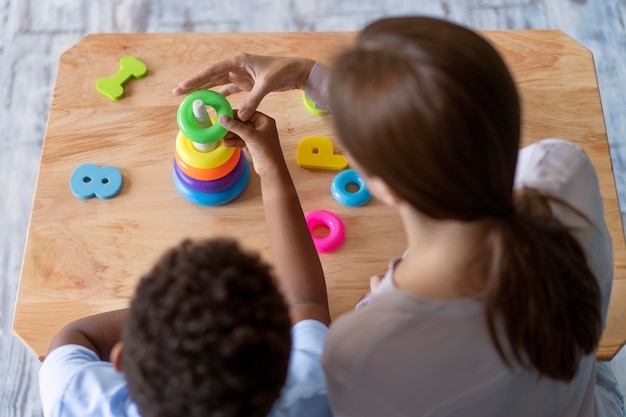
{"x": 255, "y": 73}
{"x": 375, "y": 281}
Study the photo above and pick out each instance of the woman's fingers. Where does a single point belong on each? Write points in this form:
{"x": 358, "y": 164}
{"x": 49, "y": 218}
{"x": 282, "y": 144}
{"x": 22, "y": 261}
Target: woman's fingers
{"x": 210, "y": 76}
{"x": 375, "y": 282}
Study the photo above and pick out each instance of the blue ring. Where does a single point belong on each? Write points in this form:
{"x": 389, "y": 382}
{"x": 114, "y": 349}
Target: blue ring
{"x": 214, "y": 199}
{"x": 340, "y": 192}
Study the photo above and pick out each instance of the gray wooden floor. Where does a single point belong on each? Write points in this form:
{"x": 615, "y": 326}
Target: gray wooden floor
{"x": 35, "y": 33}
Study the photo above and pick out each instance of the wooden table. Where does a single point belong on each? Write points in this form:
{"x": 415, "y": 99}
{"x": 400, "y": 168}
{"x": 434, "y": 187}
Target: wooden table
{"x": 85, "y": 256}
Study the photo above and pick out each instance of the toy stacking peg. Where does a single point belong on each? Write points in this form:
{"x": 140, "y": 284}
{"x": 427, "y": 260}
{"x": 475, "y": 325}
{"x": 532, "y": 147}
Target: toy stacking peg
{"x": 205, "y": 171}
{"x": 203, "y": 120}
{"x": 113, "y": 87}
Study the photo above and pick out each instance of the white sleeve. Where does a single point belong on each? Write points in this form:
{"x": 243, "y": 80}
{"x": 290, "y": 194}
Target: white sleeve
{"x": 562, "y": 169}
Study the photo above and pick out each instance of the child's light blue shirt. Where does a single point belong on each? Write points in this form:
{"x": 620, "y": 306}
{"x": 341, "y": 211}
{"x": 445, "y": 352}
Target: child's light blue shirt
{"x": 75, "y": 382}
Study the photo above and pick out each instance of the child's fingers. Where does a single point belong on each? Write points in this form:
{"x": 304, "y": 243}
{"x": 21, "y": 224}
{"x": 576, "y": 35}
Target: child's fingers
{"x": 234, "y": 142}
{"x": 237, "y": 127}
{"x": 257, "y": 125}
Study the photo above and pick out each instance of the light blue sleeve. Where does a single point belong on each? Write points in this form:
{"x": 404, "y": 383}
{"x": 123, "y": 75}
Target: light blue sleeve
{"x": 57, "y": 370}
{"x": 317, "y": 86}
{"x": 73, "y": 381}
{"x": 305, "y": 393}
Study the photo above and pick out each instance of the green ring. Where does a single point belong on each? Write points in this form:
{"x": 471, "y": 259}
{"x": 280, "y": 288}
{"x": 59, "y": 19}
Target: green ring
{"x": 311, "y": 106}
{"x": 187, "y": 122}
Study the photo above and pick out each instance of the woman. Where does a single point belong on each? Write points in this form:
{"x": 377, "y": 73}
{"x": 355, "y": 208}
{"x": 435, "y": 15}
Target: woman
{"x": 497, "y": 306}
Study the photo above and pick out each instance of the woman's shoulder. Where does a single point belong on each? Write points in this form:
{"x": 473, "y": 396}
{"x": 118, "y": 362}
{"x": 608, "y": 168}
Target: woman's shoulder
{"x": 562, "y": 169}
{"x": 391, "y": 343}
{"x": 551, "y": 165}
{"x": 396, "y": 318}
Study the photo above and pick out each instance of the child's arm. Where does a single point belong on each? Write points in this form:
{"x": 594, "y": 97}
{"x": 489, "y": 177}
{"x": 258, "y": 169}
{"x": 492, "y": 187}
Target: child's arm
{"x": 297, "y": 265}
{"x": 98, "y": 333}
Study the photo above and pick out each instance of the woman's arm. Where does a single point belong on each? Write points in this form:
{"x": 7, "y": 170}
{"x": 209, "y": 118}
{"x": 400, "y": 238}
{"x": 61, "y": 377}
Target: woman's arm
{"x": 255, "y": 73}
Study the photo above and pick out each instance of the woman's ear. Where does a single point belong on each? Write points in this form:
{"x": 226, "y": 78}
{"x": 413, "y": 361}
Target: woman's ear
{"x": 116, "y": 356}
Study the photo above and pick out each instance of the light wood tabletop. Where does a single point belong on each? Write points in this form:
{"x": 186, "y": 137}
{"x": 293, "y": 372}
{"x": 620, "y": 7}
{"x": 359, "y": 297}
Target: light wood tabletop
{"x": 86, "y": 256}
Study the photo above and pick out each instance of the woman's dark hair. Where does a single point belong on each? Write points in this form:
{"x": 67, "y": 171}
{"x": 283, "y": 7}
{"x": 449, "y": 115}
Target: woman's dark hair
{"x": 208, "y": 334}
{"x": 431, "y": 108}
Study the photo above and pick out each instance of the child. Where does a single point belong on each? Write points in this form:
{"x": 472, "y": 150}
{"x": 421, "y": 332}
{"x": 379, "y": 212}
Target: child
{"x": 498, "y": 304}
{"x": 208, "y": 332}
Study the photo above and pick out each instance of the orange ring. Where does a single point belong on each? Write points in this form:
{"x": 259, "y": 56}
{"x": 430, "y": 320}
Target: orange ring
{"x": 209, "y": 174}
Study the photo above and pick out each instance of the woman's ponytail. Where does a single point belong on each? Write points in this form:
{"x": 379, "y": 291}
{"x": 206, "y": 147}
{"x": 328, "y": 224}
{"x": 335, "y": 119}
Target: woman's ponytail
{"x": 542, "y": 300}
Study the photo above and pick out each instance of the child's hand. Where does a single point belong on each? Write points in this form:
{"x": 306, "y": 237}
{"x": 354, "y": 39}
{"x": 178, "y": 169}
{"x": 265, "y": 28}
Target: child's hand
{"x": 259, "y": 136}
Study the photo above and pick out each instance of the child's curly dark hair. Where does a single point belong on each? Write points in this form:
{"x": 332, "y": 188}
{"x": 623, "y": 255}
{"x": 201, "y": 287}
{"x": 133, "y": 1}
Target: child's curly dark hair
{"x": 208, "y": 334}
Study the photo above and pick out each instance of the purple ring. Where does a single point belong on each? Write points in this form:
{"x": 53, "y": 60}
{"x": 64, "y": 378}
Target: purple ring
{"x": 212, "y": 186}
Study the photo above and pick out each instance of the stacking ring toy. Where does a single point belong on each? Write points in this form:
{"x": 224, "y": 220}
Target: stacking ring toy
{"x": 215, "y": 199}
{"x": 187, "y": 122}
{"x": 212, "y": 186}
{"x": 340, "y": 191}
{"x": 334, "y": 224}
{"x": 209, "y": 174}
{"x": 198, "y": 159}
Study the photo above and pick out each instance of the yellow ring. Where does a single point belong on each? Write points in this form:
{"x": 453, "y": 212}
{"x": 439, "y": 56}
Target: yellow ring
{"x": 201, "y": 160}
